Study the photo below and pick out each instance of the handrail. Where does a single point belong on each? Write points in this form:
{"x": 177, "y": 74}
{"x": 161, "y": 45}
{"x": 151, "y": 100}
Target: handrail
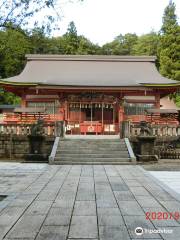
{"x": 130, "y": 150}
{"x": 54, "y": 150}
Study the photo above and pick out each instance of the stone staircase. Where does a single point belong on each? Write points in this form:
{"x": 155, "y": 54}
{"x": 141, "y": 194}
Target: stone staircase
{"x": 92, "y": 151}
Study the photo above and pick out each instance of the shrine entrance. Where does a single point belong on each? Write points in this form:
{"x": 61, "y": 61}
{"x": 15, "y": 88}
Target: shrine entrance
{"x": 92, "y": 118}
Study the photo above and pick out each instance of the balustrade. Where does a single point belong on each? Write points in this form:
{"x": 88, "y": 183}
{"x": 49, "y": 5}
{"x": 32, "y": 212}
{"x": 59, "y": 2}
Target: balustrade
{"x": 158, "y": 130}
{"x": 25, "y": 129}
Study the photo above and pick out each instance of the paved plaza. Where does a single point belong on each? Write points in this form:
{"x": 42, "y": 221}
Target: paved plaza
{"x": 170, "y": 178}
{"x": 86, "y": 202}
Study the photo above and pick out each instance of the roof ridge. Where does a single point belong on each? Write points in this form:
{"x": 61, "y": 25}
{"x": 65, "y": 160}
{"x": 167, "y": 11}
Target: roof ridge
{"x": 118, "y": 58}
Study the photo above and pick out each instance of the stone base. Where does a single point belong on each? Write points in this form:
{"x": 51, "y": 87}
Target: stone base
{"x": 36, "y": 158}
{"x": 147, "y": 158}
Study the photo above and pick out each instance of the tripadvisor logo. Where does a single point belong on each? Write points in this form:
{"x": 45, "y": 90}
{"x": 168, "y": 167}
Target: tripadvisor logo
{"x": 139, "y": 231}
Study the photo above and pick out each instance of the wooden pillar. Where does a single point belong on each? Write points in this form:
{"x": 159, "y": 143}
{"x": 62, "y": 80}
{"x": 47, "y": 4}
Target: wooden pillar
{"x": 157, "y": 100}
{"x": 114, "y": 114}
{"x": 121, "y": 114}
{"x": 102, "y": 113}
{"x": 120, "y": 119}
{"x": 103, "y": 116}
{"x": 79, "y": 113}
{"x": 66, "y": 110}
{"x": 91, "y": 113}
{"x": 23, "y": 99}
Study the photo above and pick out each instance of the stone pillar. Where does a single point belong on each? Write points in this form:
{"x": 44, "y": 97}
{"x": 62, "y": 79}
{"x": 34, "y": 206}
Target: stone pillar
{"x": 59, "y": 129}
{"x": 125, "y": 129}
{"x": 146, "y": 148}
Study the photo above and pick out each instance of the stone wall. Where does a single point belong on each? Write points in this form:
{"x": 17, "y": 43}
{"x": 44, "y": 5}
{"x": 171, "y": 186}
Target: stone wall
{"x": 13, "y": 147}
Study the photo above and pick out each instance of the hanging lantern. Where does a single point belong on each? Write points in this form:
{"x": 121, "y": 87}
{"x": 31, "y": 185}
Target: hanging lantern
{"x": 96, "y": 105}
{"x": 106, "y": 105}
{"x": 99, "y": 105}
{"x": 82, "y": 105}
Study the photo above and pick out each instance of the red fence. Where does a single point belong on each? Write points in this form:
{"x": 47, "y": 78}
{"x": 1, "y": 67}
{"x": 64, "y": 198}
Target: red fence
{"x": 30, "y": 118}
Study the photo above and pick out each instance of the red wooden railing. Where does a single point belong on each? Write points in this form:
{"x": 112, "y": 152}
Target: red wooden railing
{"x": 155, "y": 119}
{"x": 30, "y": 118}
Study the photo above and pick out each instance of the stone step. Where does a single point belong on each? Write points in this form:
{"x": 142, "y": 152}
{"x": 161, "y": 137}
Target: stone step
{"x": 82, "y": 150}
{"x": 91, "y": 163}
{"x": 73, "y": 159}
{"x": 91, "y": 151}
{"x": 93, "y": 142}
{"x": 93, "y": 155}
{"x": 92, "y": 146}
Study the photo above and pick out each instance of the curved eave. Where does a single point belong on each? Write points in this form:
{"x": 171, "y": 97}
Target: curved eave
{"x": 20, "y": 84}
{"x": 160, "y": 85}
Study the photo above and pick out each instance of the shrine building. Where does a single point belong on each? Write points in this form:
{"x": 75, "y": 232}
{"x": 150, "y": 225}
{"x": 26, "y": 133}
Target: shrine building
{"x": 91, "y": 94}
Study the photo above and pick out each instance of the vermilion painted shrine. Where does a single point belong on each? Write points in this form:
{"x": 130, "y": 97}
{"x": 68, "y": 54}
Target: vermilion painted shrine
{"x": 91, "y": 94}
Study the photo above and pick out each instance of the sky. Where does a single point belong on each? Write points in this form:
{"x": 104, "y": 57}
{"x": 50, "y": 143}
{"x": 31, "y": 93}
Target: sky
{"x": 102, "y": 20}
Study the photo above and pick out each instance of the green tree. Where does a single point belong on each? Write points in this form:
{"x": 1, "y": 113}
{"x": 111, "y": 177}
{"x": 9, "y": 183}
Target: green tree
{"x": 18, "y": 12}
{"x": 87, "y": 47}
{"x": 169, "y": 18}
{"x": 14, "y": 44}
{"x": 127, "y": 43}
{"x": 147, "y": 44}
{"x": 169, "y": 46}
{"x": 71, "y": 39}
{"x": 72, "y": 43}
{"x": 8, "y": 98}
{"x": 40, "y": 43}
{"x": 122, "y": 45}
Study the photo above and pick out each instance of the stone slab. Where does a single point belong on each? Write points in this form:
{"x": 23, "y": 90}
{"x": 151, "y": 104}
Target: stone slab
{"x": 39, "y": 208}
{"x": 113, "y": 232}
{"x": 27, "y": 227}
{"x": 104, "y": 220}
{"x": 58, "y": 217}
{"x": 130, "y": 208}
{"x": 84, "y": 208}
{"x": 53, "y": 232}
{"x": 83, "y": 227}
{"x": 109, "y": 211}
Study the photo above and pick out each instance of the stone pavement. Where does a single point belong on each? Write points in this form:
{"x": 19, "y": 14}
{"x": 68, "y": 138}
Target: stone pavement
{"x": 82, "y": 202}
{"x": 170, "y": 178}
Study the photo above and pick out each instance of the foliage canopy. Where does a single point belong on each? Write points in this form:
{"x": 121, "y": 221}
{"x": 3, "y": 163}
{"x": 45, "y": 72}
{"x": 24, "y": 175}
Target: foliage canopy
{"x": 15, "y": 42}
